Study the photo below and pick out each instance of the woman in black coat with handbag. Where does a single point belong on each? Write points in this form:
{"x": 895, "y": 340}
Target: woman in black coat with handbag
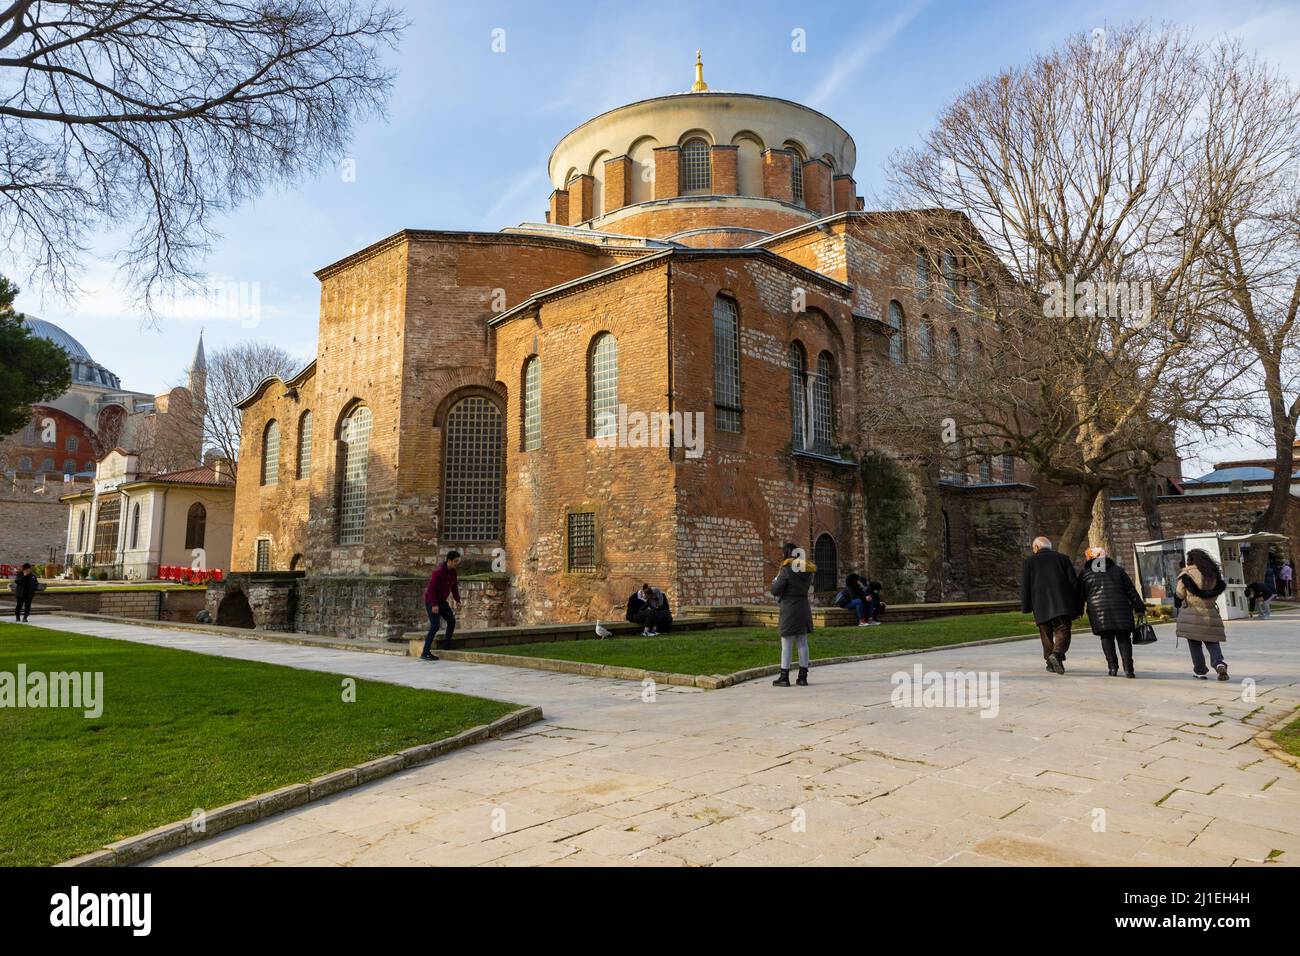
{"x": 1108, "y": 594}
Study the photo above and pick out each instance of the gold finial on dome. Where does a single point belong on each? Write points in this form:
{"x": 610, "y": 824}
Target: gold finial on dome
{"x": 699, "y": 86}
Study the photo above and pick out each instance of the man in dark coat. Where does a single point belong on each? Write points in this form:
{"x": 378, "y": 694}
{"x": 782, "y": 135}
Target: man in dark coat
{"x": 1108, "y": 594}
{"x": 1048, "y": 590}
{"x": 24, "y": 590}
{"x": 443, "y": 584}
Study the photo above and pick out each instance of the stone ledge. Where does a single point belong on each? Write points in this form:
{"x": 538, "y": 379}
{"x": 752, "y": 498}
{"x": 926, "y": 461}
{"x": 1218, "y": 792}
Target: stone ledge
{"x": 702, "y": 681}
{"x": 173, "y": 836}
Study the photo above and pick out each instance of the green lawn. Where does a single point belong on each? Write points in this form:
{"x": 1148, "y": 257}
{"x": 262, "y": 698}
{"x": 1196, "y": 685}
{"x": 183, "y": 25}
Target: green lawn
{"x": 180, "y": 731}
{"x": 727, "y": 650}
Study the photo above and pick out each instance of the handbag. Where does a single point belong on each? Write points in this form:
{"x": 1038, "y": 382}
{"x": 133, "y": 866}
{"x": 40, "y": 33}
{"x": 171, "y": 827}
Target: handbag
{"x": 1144, "y": 633}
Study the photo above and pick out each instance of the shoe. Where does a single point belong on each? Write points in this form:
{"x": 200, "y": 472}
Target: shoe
{"x": 864, "y": 623}
{"x": 783, "y": 680}
{"x": 802, "y": 680}
{"x": 1223, "y": 671}
{"x": 654, "y": 633}
{"x": 873, "y": 624}
{"x": 645, "y": 632}
{"x": 1129, "y": 674}
{"x": 1199, "y": 676}
{"x": 428, "y": 657}
{"x": 1112, "y": 672}
{"x": 1054, "y": 662}
{"x": 1049, "y": 668}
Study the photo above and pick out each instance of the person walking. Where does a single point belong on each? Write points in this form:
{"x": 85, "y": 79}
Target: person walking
{"x": 1049, "y": 591}
{"x": 1284, "y": 576}
{"x": 1107, "y": 593}
{"x": 790, "y": 588}
{"x": 25, "y": 587}
{"x": 443, "y": 584}
{"x": 1200, "y": 583}
{"x": 1261, "y": 598}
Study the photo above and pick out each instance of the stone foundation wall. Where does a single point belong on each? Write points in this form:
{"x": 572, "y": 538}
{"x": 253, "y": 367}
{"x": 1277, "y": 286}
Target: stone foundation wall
{"x": 272, "y": 599}
{"x": 384, "y": 608}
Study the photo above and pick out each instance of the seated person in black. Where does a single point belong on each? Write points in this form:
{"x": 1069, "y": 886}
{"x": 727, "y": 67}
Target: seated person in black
{"x": 649, "y": 608}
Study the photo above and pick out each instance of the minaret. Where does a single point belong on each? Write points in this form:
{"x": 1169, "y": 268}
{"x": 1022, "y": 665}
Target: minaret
{"x": 699, "y": 86}
{"x": 199, "y": 376}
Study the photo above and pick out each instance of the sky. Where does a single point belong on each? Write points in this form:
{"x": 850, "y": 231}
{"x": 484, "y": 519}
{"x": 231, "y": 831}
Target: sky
{"x": 469, "y": 130}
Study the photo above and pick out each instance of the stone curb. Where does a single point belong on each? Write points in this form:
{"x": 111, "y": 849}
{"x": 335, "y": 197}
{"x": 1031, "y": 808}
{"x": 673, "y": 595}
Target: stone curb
{"x": 702, "y": 681}
{"x": 173, "y": 836}
{"x": 1264, "y": 739}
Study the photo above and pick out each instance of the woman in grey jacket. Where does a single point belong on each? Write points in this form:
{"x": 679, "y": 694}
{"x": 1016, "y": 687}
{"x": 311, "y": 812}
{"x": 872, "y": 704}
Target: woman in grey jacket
{"x": 790, "y": 587}
{"x": 1199, "y": 585}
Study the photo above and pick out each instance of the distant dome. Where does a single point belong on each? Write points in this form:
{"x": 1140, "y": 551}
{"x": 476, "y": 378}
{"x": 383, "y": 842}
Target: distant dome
{"x": 84, "y": 368}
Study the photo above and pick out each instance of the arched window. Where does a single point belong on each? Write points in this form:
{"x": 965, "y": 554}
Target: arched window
{"x": 726, "y": 365}
{"x": 24, "y": 464}
{"x": 47, "y": 464}
{"x": 950, "y": 278}
{"x": 922, "y": 275}
{"x": 602, "y": 376}
{"x": 471, "y": 509}
{"x": 532, "y": 404}
{"x": 70, "y": 444}
{"x": 1008, "y": 467}
{"x": 898, "y": 341}
{"x": 135, "y": 526}
{"x": 796, "y": 179}
{"x": 81, "y": 531}
{"x": 925, "y": 340}
{"x": 196, "y": 525}
{"x": 354, "y": 436}
{"x": 798, "y": 364}
{"x": 823, "y": 418}
{"x": 69, "y": 466}
{"x": 826, "y": 557}
{"x": 271, "y": 453}
{"x": 954, "y": 355}
{"x": 986, "y": 470}
{"x": 304, "y": 444}
{"x": 696, "y": 175}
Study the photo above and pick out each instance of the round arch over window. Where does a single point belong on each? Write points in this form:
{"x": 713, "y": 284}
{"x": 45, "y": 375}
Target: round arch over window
{"x": 472, "y": 471}
{"x": 602, "y": 386}
{"x": 696, "y": 175}
{"x": 196, "y": 525}
{"x": 354, "y": 474}
{"x": 826, "y": 557}
{"x": 271, "y": 453}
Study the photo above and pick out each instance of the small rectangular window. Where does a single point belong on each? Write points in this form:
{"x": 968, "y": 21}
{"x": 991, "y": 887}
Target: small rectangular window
{"x": 582, "y": 541}
{"x": 263, "y": 562}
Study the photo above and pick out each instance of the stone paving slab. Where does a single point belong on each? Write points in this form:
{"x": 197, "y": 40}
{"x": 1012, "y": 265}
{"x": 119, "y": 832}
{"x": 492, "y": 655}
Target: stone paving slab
{"x": 1074, "y": 770}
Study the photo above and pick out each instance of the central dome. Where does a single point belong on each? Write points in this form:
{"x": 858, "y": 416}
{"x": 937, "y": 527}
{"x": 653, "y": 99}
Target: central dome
{"x": 703, "y": 168}
{"x": 85, "y": 370}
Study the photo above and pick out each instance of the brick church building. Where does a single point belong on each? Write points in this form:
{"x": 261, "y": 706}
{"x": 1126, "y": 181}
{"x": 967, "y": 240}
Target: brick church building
{"x": 705, "y": 261}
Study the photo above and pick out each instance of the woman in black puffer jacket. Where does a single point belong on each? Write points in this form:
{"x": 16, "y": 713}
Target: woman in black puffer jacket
{"x": 1108, "y": 594}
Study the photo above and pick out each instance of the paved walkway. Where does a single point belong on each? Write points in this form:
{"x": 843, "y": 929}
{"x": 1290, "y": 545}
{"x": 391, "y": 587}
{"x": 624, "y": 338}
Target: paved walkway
{"x": 1080, "y": 769}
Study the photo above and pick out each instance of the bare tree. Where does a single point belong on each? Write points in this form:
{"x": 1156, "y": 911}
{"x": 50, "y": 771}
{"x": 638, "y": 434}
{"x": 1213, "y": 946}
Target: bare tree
{"x": 157, "y": 115}
{"x": 1254, "y": 255}
{"x": 1073, "y": 200}
{"x": 232, "y": 375}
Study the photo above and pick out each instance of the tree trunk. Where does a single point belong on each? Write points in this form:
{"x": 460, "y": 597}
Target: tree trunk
{"x": 1145, "y": 490}
{"x": 1100, "y": 532}
{"x": 1079, "y": 521}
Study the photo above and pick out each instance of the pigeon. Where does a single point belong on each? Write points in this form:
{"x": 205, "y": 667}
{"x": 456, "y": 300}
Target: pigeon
{"x": 602, "y": 631}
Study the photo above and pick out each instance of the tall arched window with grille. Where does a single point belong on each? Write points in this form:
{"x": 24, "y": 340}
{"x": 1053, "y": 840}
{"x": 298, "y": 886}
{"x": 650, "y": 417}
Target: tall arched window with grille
{"x": 922, "y": 275}
{"x": 602, "y": 378}
{"x": 897, "y": 341}
{"x": 271, "y": 453}
{"x": 823, "y": 418}
{"x": 354, "y": 436}
{"x": 135, "y": 526}
{"x": 304, "y": 444}
{"x": 471, "y": 498}
{"x": 196, "y": 526}
{"x": 532, "y": 404}
{"x": 953, "y": 356}
{"x": 798, "y": 364}
{"x": 696, "y": 174}
{"x": 950, "y": 278}
{"x": 826, "y": 557}
{"x": 925, "y": 340}
{"x": 726, "y": 365}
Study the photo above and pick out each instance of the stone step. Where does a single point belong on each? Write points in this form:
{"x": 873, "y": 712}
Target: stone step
{"x": 538, "y": 633}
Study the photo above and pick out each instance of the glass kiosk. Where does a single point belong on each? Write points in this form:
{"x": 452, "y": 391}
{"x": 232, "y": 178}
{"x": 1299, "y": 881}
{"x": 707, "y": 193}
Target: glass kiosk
{"x": 1158, "y": 563}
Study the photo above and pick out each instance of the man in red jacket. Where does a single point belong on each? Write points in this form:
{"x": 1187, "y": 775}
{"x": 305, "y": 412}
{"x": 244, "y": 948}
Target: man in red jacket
{"x": 442, "y": 585}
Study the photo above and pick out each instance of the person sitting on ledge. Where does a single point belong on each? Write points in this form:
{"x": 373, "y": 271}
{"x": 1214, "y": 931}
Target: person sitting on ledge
{"x": 649, "y": 608}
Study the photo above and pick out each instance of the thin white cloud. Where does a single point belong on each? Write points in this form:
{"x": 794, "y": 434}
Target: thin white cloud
{"x": 861, "y": 50}
{"x": 532, "y": 180}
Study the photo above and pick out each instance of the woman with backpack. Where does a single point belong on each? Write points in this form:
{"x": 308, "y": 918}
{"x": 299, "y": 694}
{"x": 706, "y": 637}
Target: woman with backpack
{"x": 1200, "y": 583}
{"x": 1107, "y": 593}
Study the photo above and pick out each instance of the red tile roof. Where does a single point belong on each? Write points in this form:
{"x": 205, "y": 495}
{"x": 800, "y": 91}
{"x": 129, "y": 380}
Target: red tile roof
{"x": 189, "y": 476}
